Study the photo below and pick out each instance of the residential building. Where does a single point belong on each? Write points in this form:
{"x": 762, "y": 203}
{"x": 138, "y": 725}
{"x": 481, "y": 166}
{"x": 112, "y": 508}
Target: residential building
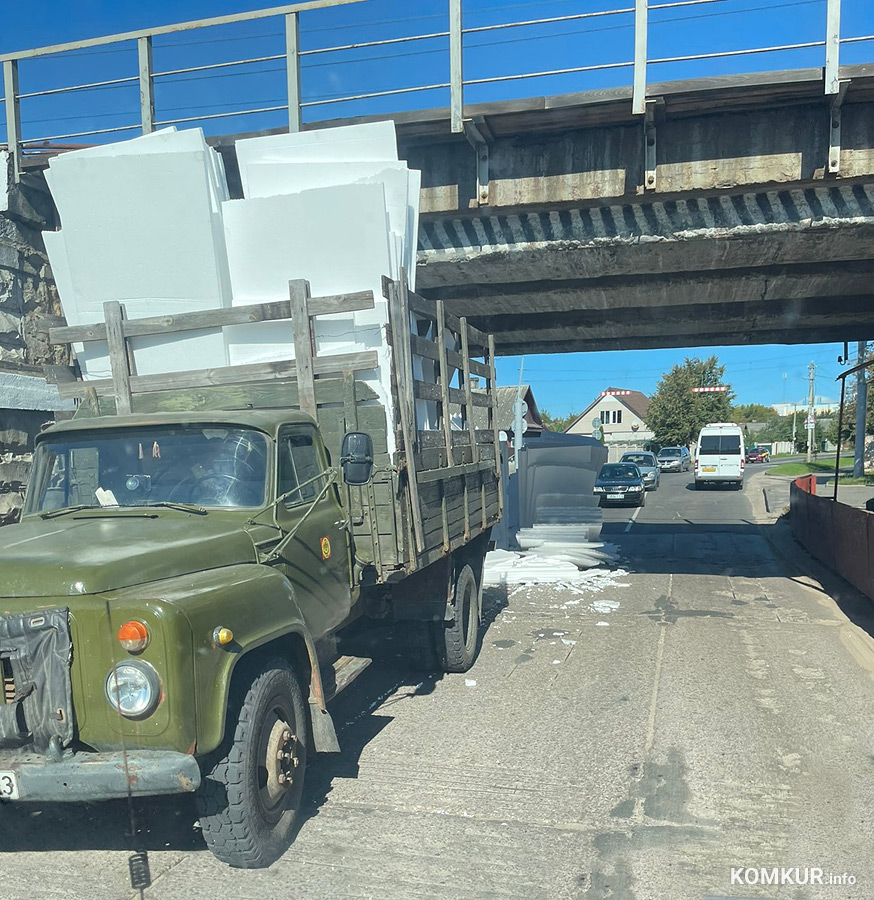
{"x": 622, "y": 414}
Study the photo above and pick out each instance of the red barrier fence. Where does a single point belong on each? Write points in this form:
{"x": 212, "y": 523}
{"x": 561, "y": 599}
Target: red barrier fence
{"x": 841, "y": 536}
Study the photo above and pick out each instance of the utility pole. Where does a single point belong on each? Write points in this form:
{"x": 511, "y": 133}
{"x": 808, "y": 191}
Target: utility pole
{"x": 861, "y": 411}
{"x": 811, "y": 433}
{"x": 794, "y": 430}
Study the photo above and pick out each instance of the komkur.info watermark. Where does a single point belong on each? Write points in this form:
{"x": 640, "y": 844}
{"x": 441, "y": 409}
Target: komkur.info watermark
{"x": 788, "y": 875}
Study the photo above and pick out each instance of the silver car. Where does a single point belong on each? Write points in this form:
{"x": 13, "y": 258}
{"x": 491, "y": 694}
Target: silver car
{"x": 674, "y": 459}
{"x": 648, "y": 466}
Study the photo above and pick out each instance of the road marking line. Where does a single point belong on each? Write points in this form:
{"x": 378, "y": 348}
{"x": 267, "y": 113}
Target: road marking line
{"x": 653, "y": 704}
{"x": 636, "y": 514}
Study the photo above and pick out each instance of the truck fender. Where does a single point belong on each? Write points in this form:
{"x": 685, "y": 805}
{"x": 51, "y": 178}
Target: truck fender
{"x": 274, "y": 621}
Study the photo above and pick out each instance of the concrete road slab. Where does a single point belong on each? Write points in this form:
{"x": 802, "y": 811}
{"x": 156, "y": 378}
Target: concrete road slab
{"x": 706, "y": 709}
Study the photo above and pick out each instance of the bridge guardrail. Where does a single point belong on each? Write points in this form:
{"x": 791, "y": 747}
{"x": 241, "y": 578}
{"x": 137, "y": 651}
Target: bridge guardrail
{"x": 146, "y": 76}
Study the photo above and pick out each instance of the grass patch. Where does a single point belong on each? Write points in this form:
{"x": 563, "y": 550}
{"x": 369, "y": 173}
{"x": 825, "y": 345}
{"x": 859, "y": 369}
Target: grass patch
{"x": 805, "y": 468}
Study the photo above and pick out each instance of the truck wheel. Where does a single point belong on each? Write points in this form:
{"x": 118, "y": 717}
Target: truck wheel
{"x": 457, "y": 644}
{"x": 252, "y": 785}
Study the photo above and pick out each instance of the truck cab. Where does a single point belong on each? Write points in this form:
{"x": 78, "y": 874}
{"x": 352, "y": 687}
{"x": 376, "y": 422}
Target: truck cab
{"x": 154, "y": 554}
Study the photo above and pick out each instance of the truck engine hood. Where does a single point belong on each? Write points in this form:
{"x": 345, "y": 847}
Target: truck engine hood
{"x": 91, "y": 552}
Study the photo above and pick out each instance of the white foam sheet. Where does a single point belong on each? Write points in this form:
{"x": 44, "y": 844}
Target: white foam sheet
{"x": 144, "y": 229}
{"x": 367, "y": 142}
{"x": 336, "y": 238}
{"x": 269, "y": 179}
{"x": 414, "y": 188}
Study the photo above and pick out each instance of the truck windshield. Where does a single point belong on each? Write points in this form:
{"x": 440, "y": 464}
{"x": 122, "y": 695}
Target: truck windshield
{"x": 213, "y": 466}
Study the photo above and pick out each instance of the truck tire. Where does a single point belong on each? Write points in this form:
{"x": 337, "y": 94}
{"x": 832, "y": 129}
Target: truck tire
{"x": 458, "y": 642}
{"x": 248, "y": 801}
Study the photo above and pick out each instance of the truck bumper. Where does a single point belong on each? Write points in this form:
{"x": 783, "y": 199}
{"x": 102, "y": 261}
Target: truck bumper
{"x": 100, "y": 776}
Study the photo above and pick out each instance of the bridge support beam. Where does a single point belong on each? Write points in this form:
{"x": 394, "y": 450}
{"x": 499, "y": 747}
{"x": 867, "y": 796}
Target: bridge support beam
{"x": 834, "y": 137}
{"x": 292, "y": 68}
{"x": 147, "y": 85}
{"x": 13, "y": 115}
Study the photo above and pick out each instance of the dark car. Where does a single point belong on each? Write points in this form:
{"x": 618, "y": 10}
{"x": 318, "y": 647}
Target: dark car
{"x": 620, "y": 483}
{"x": 758, "y": 455}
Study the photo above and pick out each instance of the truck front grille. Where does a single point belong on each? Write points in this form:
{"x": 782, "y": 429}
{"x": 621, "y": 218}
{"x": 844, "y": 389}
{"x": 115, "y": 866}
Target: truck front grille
{"x": 8, "y": 682}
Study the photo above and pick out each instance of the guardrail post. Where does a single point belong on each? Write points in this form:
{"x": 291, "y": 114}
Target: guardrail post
{"x": 292, "y": 68}
{"x": 13, "y": 115}
{"x": 638, "y": 94}
{"x": 832, "y": 46}
{"x": 456, "y": 68}
{"x": 147, "y": 85}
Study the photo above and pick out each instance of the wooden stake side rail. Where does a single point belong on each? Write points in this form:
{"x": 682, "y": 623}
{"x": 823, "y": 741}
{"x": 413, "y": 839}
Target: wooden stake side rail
{"x": 225, "y": 375}
{"x": 428, "y": 349}
{"x": 213, "y": 318}
{"x": 426, "y": 308}
{"x": 437, "y": 460}
{"x": 442, "y": 487}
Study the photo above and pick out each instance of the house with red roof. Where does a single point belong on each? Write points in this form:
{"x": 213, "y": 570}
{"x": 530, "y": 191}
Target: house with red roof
{"x": 622, "y": 415}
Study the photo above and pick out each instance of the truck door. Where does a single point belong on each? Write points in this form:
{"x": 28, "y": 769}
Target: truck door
{"x": 316, "y": 560}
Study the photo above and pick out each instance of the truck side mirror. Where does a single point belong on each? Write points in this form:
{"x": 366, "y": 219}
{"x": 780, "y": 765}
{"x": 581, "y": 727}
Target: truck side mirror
{"x": 356, "y": 458}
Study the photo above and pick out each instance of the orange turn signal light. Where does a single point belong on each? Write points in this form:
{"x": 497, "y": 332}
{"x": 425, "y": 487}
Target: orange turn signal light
{"x": 222, "y": 636}
{"x": 133, "y": 636}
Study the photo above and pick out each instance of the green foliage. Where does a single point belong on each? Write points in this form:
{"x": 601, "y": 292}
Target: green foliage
{"x": 676, "y": 415}
{"x": 779, "y": 428}
{"x": 557, "y": 423}
{"x": 753, "y": 412}
{"x": 848, "y": 432}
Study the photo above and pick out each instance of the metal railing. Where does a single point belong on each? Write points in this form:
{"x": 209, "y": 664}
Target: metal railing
{"x": 146, "y": 77}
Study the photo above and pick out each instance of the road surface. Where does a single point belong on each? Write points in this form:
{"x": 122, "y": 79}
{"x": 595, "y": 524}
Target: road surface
{"x": 707, "y": 708}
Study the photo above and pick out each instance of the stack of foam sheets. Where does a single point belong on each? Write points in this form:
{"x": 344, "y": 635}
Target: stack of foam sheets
{"x": 149, "y": 222}
{"x": 141, "y": 223}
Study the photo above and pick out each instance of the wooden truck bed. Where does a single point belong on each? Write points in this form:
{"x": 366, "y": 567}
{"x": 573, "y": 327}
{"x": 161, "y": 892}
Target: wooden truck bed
{"x": 440, "y": 490}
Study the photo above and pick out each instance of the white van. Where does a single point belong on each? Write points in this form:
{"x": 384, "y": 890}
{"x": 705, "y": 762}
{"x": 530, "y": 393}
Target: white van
{"x": 719, "y": 455}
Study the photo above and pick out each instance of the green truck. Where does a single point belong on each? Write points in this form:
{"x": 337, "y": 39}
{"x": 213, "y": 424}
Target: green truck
{"x": 195, "y": 546}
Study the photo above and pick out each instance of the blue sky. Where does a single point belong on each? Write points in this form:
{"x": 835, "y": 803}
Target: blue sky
{"x": 563, "y": 382}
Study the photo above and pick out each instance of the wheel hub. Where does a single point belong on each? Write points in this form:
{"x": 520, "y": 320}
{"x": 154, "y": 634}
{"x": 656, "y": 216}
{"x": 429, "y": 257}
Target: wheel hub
{"x": 281, "y": 760}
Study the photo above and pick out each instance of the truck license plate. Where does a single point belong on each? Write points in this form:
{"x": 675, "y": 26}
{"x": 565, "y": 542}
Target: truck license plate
{"x": 8, "y": 786}
{"x": 615, "y": 496}
{"x": 708, "y": 468}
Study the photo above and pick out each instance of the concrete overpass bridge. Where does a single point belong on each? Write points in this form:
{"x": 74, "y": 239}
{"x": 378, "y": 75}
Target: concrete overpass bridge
{"x": 725, "y": 210}
{"x": 740, "y": 210}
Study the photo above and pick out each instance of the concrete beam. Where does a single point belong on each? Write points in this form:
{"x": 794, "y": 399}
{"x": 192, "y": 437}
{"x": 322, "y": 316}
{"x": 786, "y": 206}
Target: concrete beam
{"x": 564, "y": 260}
{"x": 669, "y": 294}
{"x": 808, "y": 320}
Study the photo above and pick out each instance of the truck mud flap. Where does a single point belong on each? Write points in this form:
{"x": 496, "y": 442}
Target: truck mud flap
{"x": 37, "y": 648}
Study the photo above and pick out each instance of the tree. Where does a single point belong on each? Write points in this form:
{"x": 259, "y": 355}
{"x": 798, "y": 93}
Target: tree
{"x": 753, "y": 412}
{"x": 848, "y": 432}
{"x": 676, "y": 415}
{"x": 557, "y": 423}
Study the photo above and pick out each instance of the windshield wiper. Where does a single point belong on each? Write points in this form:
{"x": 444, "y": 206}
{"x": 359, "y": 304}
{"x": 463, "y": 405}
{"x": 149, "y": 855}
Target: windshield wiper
{"x": 170, "y": 504}
{"x": 52, "y": 513}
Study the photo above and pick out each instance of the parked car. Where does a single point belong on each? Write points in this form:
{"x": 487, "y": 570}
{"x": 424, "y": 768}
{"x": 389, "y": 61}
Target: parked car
{"x": 758, "y": 455}
{"x": 674, "y": 459}
{"x": 620, "y": 483}
{"x": 648, "y": 466}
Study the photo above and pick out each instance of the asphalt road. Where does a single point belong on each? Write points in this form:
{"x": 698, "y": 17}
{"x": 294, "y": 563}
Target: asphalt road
{"x": 706, "y": 707}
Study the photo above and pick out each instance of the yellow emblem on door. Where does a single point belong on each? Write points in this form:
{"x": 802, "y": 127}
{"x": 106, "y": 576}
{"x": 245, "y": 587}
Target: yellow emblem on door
{"x": 326, "y": 548}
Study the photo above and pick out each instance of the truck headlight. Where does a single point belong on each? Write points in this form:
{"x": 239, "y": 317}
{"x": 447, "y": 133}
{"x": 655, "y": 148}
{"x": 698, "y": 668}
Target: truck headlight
{"x": 133, "y": 689}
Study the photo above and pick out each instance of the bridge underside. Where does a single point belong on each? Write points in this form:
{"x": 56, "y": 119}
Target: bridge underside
{"x": 790, "y": 265}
